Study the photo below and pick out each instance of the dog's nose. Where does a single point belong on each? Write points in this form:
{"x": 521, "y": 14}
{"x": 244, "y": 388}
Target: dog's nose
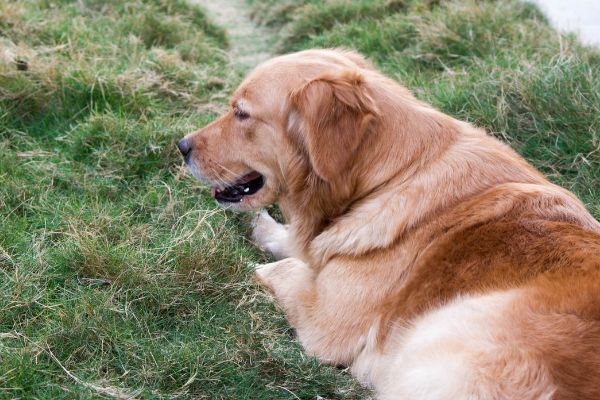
{"x": 184, "y": 146}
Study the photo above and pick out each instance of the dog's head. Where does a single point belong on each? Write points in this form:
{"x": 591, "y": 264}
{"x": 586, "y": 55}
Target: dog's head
{"x": 308, "y": 111}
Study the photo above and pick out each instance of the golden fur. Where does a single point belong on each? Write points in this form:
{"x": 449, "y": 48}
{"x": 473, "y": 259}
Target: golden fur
{"x": 421, "y": 251}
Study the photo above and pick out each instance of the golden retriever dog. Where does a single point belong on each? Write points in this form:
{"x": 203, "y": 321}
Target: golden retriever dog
{"x": 420, "y": 251}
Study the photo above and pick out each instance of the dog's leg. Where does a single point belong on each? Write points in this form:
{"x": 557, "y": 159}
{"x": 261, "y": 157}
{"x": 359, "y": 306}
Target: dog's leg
{"x": 471, "y": 348}
{"x": 331, "y": 322}
{"x": 270, "y": 235}
{"x": 288, "y": 280}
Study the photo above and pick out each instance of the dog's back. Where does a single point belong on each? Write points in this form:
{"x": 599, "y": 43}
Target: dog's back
{"x": 511, "y": 300}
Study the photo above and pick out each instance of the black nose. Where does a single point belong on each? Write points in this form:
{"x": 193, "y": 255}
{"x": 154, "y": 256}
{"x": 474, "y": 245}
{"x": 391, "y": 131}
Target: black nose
{"x": 184, "y": 146}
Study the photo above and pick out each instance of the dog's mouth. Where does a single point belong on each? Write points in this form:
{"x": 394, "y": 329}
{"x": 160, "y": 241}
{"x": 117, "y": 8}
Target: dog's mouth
{"x": 245, "y": 186}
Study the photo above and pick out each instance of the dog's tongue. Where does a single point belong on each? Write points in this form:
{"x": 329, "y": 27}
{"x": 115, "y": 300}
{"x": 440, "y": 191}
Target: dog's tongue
{"x": 213, "y": 191}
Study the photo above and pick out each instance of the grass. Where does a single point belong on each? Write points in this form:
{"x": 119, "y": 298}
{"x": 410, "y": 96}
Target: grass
{"x": 118, "y": 276}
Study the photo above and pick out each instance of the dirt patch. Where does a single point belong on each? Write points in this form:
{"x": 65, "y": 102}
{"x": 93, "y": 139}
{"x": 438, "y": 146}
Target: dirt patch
{"x": 249, "y": 44}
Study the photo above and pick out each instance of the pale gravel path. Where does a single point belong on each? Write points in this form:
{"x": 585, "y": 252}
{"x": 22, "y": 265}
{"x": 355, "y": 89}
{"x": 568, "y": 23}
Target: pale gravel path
{"x": 579, "y": 16}
{"x": 249, "y": 44}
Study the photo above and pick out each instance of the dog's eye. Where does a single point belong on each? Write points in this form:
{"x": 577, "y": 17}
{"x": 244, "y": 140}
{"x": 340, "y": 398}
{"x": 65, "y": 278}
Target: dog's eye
{"x": 240, "y": 115}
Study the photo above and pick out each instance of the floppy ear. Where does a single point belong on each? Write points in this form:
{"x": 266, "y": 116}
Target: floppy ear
{"x": 336, "y": 111}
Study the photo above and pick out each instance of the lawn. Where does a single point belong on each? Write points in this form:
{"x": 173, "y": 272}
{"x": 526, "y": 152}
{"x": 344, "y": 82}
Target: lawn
{"x": 118, "y": 275}
{"x": 114, "y": 264}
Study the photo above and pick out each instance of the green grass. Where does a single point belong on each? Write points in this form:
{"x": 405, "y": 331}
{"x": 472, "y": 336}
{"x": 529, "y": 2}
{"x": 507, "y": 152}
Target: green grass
{"x": 115, "y": 265}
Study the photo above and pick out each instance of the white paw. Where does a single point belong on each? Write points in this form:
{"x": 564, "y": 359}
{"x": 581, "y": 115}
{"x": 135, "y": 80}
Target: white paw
{"x": 263, "y": 270}
{"x": 270, "y": 235}
{"x": 285, "y": 279}
{"x": 269, "y": 274}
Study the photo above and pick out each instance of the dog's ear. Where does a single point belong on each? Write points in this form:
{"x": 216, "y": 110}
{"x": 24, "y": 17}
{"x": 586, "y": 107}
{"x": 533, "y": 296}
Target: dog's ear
{"x": 335, "y": 112}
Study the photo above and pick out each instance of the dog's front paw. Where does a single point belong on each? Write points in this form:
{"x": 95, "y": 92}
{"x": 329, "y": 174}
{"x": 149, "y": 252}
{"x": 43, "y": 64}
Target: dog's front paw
{"x": 264, "y": 271}
{"x": 280, "y": 275}
{"x": 270, "y": 235}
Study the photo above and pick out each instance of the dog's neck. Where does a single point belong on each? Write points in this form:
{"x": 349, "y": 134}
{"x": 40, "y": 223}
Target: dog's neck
{"x": 361, "y": 195}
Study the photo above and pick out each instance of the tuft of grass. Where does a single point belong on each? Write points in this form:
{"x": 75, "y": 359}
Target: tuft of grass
{"x": 496, "y": 64}
{"x": 118, "y": 276}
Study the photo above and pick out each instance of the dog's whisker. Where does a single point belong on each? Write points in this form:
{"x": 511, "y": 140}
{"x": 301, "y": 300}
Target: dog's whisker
{"x": 227, "y": 170}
